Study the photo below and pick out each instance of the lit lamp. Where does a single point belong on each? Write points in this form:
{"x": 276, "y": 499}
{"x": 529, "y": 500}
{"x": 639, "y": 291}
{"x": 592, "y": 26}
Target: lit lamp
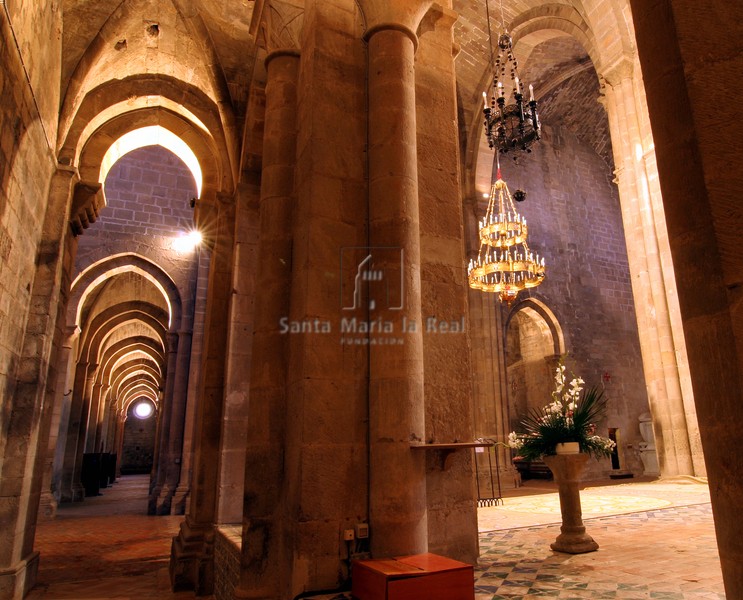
{"x": 504, "y": 265}
{"x": 186, "y": 242}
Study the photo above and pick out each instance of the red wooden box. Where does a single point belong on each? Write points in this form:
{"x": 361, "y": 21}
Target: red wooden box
{"x": 417, "y": 577}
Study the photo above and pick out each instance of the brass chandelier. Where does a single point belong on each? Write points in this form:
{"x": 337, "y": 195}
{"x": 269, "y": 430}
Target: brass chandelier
{"x": 504, "y": 265}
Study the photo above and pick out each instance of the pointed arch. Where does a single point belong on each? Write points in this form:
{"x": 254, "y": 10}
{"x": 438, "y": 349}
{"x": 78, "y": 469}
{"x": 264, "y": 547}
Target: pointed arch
{"x": 547, "y": 316}
{"x": 115, "y": 264}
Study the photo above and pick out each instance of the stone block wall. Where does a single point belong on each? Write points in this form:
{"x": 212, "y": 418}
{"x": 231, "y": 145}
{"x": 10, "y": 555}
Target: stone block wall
{"x": 148, "y": 194}
{"x": 227, "y": 545}
{"x": 38, "y": 36}
{"x": 139, "y": 443}
{"x": 26, "y": 168}
{"x": 572, "y": 209}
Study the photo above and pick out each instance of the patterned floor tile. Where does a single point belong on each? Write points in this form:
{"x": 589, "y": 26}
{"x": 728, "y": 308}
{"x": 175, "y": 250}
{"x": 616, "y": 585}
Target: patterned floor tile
{"x": 110, "y": 549}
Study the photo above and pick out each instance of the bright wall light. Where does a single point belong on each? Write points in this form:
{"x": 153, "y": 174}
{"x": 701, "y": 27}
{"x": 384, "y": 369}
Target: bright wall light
{"x": 153, "y": 135}
{"x": 186, "y": 242}
{"x": 143, "y": 409}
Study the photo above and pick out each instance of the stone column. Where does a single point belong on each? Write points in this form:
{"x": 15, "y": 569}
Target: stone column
{"x": 192, "y": 559}
{"x": 452, "y": 511}
{"x": 61, "y": 397}
{"x": 171, "y": 455}
{"x": 573, "y": 538}
{"x": 71, "y": 490}
{"x": 26, "y": 418}
{"x": 94, "y": 416}
{"x": 119, "y": 439}
{"x": 655, "y": 298}
{"x": 104, "y": 419}
{"x": 492, "y": 414}
{"x": 396, "y": 407}
{"x": 160, "y": 458}
{"x": 261, "y": 569}
{"x": 181, "y": 496}
{"x": 240, "y": 342}
{"x": 489, "y": 384}
{"x": 82, "y": 429}
{"x": 700, "y": 169}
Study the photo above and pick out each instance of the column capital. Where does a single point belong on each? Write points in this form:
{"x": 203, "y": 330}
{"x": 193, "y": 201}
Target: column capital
{"x": 280, "y": 25}
{"x": 392, "y": 27}
{"x": 398, "y": 15}
{"x": 438, "y": 16}
{"x": 618, "y": 71}
{"x": 282, "y": 52}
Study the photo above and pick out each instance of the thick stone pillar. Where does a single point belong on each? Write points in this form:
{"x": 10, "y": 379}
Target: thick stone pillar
{"x": 61, "y": 396}
{"x": 160, "y": 458}
{"x": 26, "y": 438}
{"x": 181, "y": 496}
{"x": 118, "y": 440}
{"x": 70, "y": 488}
{"x": 489, "y": 382}
{"x": 700, "y": 168}
{"x": 104, "y": 419}
{"x": 94, "y": 415}
{"x": 192, "y": 558}
{"x": 28, "y": 419}
{"x": 240, "y": 343}
{"x": 171, "y": 454}
{"x": 652, "y": 280}
{"x": 397, "y": 477}
{"x": 82, "y": 429}
{"x": 452, "y": 511}
{"x": 261, "y": 565}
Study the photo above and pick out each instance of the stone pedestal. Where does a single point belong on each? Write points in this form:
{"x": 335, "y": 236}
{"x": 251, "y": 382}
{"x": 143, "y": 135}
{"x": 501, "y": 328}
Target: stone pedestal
{"x": 573, "y": 538}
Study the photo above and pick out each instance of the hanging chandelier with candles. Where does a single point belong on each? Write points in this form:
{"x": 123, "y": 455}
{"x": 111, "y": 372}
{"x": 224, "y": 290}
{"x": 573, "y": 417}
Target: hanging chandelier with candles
{"x": 505, "y": 265}
{"x": 511, "y": 124}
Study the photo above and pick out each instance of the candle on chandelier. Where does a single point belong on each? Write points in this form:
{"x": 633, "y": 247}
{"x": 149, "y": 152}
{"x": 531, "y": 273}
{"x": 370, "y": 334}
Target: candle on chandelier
{"x": 531, "y": 92}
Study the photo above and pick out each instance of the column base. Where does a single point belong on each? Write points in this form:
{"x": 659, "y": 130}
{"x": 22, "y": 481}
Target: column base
{"x": 47, "y": 506}
{"x": 78, "y": 492}
{"x": 179, "y": 502}
{"x": 164, "y": 501}
{"x": 152, "y": 500}
{"x": 192, "y": 559}
{"x": 18, "y": 580}
{"x": 574, "y": 542}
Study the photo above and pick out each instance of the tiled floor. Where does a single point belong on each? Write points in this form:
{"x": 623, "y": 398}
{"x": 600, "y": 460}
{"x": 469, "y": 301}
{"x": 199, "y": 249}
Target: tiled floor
{"x": 668, "y": 553}
{"x": 107, "y": 548}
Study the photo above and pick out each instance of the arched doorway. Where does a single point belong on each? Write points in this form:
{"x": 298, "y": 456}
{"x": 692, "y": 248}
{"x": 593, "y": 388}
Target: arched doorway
{"x": 533, "y": 347}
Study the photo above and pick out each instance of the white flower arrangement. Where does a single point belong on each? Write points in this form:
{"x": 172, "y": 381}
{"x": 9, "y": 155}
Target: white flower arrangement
{"x": 570, "y": 417}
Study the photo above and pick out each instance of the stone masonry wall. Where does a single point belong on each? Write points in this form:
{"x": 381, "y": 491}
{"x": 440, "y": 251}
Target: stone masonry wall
{"x": 38, "y": 35}
{"x": 147, "y": 193}
{"x": 139, "y": 443}
{"x": 26, "y": 167}
{"x": 572, "y": 209}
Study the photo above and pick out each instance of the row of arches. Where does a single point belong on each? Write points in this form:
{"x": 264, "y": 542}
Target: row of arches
{"x": 144, "y": 78}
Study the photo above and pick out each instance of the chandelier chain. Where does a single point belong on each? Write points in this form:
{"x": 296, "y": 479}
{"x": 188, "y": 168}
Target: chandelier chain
{"x": 490, "y": 36}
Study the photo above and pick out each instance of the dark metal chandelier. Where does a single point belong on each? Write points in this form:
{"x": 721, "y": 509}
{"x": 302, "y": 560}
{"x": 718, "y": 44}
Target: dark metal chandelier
{"x": 511, "y": 124}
